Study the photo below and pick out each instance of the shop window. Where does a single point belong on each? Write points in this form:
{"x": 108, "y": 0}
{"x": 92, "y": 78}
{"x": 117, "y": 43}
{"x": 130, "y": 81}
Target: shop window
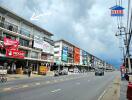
{"x": 34, "y": 54}
{"x": 24, "y": 42}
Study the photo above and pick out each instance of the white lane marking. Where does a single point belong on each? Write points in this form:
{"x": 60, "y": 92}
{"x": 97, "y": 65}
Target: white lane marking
{"x": 56, "y": 90}
{"x": 78, "y": 83}
{"x": 37, "y": 83}
{"x": 100, "y": 97}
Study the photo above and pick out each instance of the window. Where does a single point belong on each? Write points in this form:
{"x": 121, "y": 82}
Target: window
{"x": 25, "y": 32}
{"x": 57, "y": 46}
{"x": 24, "y": 42}
{"x": 56, "y": 52}
{"x": 34, "y": 54}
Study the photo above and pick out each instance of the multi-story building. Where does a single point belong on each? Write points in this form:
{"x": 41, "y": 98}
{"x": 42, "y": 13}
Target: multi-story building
{"x": 63, "y": 52}
{"x": 34, "y": 41}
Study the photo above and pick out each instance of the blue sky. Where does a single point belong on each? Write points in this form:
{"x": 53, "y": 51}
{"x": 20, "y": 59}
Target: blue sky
{"x": 85, "y": 23}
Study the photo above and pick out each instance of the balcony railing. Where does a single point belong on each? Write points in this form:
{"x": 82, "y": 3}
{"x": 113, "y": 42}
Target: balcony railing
{"x": 9, "y": 26}
{"x": 14, "y": 28}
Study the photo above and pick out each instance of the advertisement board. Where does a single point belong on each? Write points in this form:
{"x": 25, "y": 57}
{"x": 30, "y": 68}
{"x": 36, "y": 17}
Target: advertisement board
{"x": 64, "y": 54}
{"x": 38, "y": 42}
{"x": 46, "y": 47}
{"x": 15, "y": 53}
{"x": 76, "y": 55}
{"x": 43, "y": 70}
{"x": 12, "y": 44}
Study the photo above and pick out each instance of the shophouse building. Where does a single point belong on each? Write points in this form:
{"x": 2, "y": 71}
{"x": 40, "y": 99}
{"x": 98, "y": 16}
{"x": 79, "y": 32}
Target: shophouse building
{"x": 63, "y": 52}
{"x": 35, "y": 44}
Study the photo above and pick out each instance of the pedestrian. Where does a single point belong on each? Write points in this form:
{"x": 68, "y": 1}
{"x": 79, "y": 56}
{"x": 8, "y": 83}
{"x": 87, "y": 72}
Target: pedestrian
{"x": 29, "y": 72}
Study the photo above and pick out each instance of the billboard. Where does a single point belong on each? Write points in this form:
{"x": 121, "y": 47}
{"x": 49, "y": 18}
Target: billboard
{"x": 64, "y": 55}
{"x": 9, "y": 43}
{"x": 38, "y": 42}
{"x": 46, "y": 47}
{"x": 76, "y": 55}
{"x": 15, "y": 53}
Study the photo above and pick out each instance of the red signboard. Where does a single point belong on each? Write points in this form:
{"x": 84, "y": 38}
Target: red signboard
{"x": 15, "y": 53}
{"x": 10, "y": 43}
{"x": 76, "y": 55}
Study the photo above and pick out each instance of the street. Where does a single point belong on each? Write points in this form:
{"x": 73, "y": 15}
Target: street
{"x": 84, "y": 86}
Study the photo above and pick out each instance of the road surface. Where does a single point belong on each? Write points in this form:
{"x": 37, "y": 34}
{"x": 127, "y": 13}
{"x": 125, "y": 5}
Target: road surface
{"x": 85, "y": 86}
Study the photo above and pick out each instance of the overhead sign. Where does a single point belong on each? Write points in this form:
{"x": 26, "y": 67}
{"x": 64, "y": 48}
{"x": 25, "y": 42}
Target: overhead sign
{"x": 15, "y": 53}
{"x": 64, "y": 54}
{"x": 117, "y": 10}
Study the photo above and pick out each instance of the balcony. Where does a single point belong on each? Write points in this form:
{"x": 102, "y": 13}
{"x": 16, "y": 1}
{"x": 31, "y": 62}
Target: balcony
{"x": 9, "y": 26}
{"x": 13, "y": 30}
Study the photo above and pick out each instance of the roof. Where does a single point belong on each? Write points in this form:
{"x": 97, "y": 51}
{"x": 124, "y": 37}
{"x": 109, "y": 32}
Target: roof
{"x": 117, "y": 7}
{"x": 65, "y": 42}
{"x": 15, "y": 16}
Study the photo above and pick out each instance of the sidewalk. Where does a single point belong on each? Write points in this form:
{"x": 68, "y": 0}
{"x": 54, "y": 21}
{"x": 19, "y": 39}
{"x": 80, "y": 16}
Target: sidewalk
{"x": 123, "y": 90}
{"x": 113, "y": 91}
{"x": 24, "y": 76}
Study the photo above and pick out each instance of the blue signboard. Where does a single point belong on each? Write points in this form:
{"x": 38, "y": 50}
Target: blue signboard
{"x": 64, "y": 54}
{"x": 117, "y": 10}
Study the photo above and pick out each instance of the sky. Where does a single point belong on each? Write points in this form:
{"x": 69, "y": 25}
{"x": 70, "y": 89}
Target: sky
{"x": 85, "y": 23}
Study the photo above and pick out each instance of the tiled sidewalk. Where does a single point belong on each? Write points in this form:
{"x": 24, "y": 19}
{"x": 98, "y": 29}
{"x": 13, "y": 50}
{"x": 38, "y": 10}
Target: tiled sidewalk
{"x": 123, "y": 90}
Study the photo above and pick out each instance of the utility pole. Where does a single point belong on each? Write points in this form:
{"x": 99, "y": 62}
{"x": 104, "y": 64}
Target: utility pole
{"x": 126, "y": 46}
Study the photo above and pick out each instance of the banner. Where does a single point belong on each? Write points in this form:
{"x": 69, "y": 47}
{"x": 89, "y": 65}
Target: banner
{"x": 76, "y": 55}
{"x": 15, "y": 53}
{"x": 64, "y": 54}
{"x": 12, "y": 44}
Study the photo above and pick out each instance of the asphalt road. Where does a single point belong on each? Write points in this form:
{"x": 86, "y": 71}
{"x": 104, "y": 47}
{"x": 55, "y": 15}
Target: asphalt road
{"x": 71, "y": 87}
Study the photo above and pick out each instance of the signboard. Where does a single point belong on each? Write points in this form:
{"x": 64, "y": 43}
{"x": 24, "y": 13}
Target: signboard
{"x": 64, "y": 54}
{"x": 15, "y": 53}
{"x": 43, "y": 69}
{"x": 81, "y": 58}
{"x": 52, "y": 49}
{"x": 38, "y": 42}
{"x": 84, "y": 53}
{"x": 76, "y": 55}
{"x": 46, "y": 47}
{"x": 117, "y": 10}
{"x": 13, "y": 44}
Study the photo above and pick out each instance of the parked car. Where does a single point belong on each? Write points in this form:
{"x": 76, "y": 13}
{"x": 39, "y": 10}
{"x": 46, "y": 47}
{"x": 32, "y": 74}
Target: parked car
{"x": 99, "y": 72}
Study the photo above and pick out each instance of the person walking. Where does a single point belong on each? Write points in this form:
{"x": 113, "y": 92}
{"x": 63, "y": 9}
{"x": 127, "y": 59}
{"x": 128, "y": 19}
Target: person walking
{"x": 29, "y": 72}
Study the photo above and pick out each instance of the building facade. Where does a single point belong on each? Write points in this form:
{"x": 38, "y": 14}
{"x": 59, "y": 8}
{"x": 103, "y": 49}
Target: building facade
{"x": 35, "y": 42}
{"x": 63, "y": 52}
